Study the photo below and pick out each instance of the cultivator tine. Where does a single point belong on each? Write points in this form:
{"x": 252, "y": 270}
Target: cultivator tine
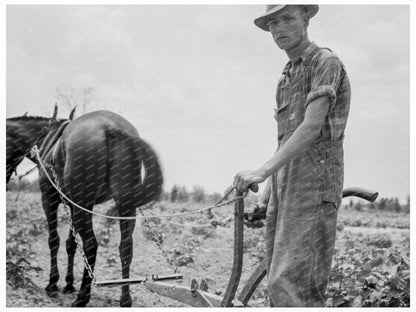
{"x": 194, "y": 285}
{"x": 203, "y": 285}
{"x": 200, "y": 293}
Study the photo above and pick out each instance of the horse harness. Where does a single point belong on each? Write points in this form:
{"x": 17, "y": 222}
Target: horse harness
{"x": 51, "y": 139}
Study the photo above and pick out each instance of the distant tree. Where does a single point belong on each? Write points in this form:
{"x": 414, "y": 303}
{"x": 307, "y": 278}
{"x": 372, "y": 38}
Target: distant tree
{"x": 79, "y": 97}
{"x": 372, "y": 206}
{"x": 214, "y": 197}
{"x": 396, "y": 205}
{"x": 406, "y": 207}
{"x": 85, "y": 100}
{"x": 165, "y": 196}
{"x": 179, "y": 194}
{"x": 174, "y": 193}
{"x": 382, "y": 204}
{"x": 390, "y": 204}
{"x": 198, "y": 193}
{"x": 358, "y": 206}
{"x": 183, "y": 195}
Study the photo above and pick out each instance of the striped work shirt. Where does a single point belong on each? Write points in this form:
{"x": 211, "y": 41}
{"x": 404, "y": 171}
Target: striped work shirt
{"x": 317, "y": 174}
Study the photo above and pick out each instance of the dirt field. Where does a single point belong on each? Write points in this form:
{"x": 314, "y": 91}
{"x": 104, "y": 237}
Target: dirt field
{"x": 370, "y": 264}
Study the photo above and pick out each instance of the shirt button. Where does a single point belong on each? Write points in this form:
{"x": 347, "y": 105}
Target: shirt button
{"x": 322, "y": 161}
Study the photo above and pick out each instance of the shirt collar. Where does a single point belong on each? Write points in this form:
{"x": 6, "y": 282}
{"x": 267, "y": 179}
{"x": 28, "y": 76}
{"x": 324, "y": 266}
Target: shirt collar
{"x": 305, "y": 57}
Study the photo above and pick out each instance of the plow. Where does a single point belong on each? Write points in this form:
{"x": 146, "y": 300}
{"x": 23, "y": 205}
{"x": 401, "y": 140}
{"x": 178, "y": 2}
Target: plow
{"x": 197, "y": 294}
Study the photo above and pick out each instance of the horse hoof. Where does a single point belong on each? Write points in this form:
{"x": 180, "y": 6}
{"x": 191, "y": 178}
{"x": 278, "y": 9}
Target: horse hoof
{"x": 125, "y": 304}
{"x": 80, "y": 303}
{"x": 69, "y": 289}
{"x": 52, "y": 290}
{"x": 125, "y": 301}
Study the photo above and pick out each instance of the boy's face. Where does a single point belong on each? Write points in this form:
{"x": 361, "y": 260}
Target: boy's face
{"x": 288, "y": 27}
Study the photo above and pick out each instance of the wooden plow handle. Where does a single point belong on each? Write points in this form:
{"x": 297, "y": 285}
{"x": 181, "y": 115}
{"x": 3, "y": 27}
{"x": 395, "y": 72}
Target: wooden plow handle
{"x": 238, "y": 251}
{"x": 360, "y": 192}
{"x": 253, "y": 281}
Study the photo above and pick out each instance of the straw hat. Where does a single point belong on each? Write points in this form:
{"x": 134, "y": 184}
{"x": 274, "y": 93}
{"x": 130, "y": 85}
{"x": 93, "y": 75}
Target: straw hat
{"x": 273, "y": 8}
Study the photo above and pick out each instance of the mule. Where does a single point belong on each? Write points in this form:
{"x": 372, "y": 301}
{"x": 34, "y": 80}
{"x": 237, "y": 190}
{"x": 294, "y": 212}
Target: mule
{"x": 99, "y": 157}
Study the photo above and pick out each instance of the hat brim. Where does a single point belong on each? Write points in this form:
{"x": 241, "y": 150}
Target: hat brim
{"x": 261, "y": 21}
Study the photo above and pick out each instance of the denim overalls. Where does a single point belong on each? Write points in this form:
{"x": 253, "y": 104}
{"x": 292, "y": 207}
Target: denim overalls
{"x": 306, "y": 193}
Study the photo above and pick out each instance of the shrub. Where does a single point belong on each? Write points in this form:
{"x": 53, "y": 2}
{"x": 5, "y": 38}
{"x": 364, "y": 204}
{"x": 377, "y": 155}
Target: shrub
{"x": 179, "y": 194}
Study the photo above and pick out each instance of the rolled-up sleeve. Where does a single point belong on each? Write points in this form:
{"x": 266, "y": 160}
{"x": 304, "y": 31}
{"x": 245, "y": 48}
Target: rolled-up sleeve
{"x": 325, "y": 81}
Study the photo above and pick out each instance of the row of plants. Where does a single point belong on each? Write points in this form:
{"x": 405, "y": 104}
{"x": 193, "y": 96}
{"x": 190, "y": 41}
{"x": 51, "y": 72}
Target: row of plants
{"x": 375, "y": 220}
{"x": 19, "y": 240}
{"x": 370, "y": 273}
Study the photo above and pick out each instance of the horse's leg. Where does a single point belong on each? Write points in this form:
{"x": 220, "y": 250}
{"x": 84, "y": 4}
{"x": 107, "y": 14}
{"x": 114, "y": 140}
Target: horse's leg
{"x": 71, "y": 248}
{"x": 126, "y": 255}
{"x": 50, "y": 203}
{"x": 125, "y": 178}
{"x": 83, "y": 225}
{"x": 84, "y": 176}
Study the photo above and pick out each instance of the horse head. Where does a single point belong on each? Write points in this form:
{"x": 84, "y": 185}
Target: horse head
{"x": 24, "y": 132}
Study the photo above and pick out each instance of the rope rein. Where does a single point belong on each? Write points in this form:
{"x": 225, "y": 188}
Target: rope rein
{"x": 199, "y": 211}
{"x": 21, "y": 176}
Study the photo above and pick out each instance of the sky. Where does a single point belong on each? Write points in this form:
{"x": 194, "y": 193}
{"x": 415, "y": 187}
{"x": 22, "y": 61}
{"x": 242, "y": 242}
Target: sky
{"x": 199, "y": 81}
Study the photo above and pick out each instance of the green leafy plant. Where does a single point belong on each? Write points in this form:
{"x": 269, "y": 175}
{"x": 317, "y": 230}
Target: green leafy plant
{"x": 364, "y": 276}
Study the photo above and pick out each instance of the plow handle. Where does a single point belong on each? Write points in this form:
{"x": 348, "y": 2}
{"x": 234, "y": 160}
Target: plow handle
{"x": 360, "y": 192}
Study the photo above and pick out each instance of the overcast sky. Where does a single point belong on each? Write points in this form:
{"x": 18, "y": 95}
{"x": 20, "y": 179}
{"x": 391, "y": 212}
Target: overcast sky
{"x": 199, "y": 82}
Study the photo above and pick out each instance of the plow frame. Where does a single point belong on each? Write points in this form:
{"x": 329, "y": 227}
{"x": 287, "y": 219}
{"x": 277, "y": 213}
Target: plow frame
{"x": 198, "y": 295}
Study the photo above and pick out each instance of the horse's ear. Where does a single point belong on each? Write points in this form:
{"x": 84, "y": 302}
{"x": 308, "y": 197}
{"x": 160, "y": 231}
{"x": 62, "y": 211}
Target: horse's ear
{"x": 71, "y": 115}
{"x": 55, "y": 112}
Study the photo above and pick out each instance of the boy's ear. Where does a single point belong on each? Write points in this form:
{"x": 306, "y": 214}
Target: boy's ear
{"x": 306, "y": 24}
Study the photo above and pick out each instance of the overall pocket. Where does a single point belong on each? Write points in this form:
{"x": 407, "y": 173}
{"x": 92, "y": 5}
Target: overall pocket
{"x": 282, "y": 112}
{"x": 334, "y": 176}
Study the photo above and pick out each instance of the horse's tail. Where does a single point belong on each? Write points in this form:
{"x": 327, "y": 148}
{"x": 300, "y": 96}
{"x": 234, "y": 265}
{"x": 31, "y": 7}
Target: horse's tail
{"x": 152, "y": 184}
